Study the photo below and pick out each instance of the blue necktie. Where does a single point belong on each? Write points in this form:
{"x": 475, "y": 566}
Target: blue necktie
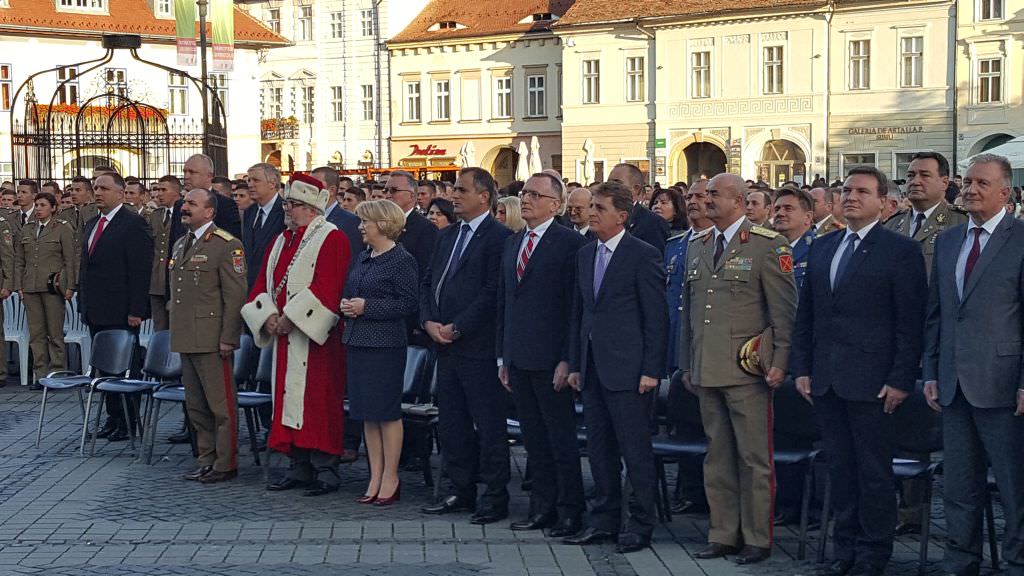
{"x": 453, "y": 262}
{"x": 851, "y": 246}
{"x": 600, "y": 267}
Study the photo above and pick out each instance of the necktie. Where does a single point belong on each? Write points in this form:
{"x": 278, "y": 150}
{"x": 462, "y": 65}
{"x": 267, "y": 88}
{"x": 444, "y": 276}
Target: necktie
{"x": 259, "y": 221}
{"x": 524, "y": 256}
{"x": 972, "y": 256}
{"x": 39, "y": 230}
{"x": 453, "y": 261}
{"x": 189, "y": 241}
{"x": 719, "y": 248}
{"x": 167, "y": 216}
{"x": 600, "y": 267}
{"x": 918, "y": 223}
{"x": 851, "y": 246}
{"x": 24, "y": 218}
{"x": 99, "y": 232}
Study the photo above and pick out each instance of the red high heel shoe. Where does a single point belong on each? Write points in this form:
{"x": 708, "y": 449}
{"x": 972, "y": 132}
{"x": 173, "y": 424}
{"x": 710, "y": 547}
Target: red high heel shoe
{"x": 391, "y": 499}
{"x": 366, "y": 499}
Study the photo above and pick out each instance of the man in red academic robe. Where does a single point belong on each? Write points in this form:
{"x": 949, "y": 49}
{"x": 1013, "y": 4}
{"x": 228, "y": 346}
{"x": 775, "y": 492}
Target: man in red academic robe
{"x": 294, "y": 307}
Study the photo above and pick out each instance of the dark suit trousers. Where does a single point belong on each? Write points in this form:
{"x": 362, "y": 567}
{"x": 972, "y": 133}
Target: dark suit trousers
{"x": 859, "y": 441}
{"x": 618, "y": 429}
{"x": 548, "y": 419}
{"x": 472, "y": 405}
{"x": 973, "y": 438}
{"x": 115, "y": 411}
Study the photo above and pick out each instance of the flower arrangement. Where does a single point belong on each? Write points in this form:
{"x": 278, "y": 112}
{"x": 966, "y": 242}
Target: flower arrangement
{"x": 130, "y": 112}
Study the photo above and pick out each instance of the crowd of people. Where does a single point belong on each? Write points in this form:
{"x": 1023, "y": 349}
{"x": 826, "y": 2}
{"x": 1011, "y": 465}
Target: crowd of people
{"x": 548, "y": 292}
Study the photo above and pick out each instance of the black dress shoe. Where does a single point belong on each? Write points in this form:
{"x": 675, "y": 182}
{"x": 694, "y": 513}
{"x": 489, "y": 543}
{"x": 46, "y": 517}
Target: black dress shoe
{"x": 752, "y": 555}
{"x": 216, "y": 477}
{"x": 904, "y": 528}
{"x": 715, "y": 550}
{"x": 287, "y": 484}
{"x": 183, "y": 437}
{"x": 630, "y": 542}
{"x": 119, "y": 435}
{"x": 348, "y": 456}
{"x": 35, "y": 386}
{"x": 488, "y": 516}
{"x": 535, "y": 522}
{"x": 564, "y": 528}
{"x": 450, "y": 504}
{"x": 197, "y": 473}
{"x": 589, "y": 536}
{"x": 838, "y": 568}
{"x": 108, "y": 428}
{"x": 319, "y": 488}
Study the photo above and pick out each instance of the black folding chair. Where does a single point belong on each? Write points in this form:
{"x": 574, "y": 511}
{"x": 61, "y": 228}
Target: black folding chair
{"x": 795, "y": 441}
{"x": 247, "y": 358}
{"x": 420, "y": 417}
{"x": 686, "y": 441}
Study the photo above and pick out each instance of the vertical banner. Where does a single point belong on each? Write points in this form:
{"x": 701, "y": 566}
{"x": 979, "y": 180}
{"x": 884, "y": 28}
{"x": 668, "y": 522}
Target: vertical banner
{"x": 222, "y": 18}
{"x": 185, "y": 31}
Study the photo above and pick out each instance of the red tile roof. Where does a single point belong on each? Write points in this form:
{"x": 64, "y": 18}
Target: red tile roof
{"x": 123, "y": 17}
{"x": 593, "y": 11}
{"x": 480, "y": 18}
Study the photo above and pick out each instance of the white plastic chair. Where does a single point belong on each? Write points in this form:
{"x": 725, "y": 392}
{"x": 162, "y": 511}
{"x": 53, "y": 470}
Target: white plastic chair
{"x": 76, "y": 332}
{"x": 16, "y": 330}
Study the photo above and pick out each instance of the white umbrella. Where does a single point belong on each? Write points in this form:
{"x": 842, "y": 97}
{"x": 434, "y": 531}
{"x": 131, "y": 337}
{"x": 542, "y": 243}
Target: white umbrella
{"x": 588, "y": 161}
{"x": 1013, "y": 150}
{"x": 461, "y": 160}
{"x": 523, "y": 166}
{"x": 536, "y": 166}
{"x": 469, "y": 154}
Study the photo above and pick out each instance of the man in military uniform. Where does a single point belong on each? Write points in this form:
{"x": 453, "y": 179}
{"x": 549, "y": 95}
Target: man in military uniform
{"x": 83, "y": 210}
{"x": 759, "y": 207}
{"x": 7, "y": 259}
{"x": 739, "y": 295}
{"x": 208, "y": 288}
{"x": 824, "y": 221}
{"x": 929, "y": 214}
{"x": 793, "y": 219}
{"x": 167, "y": 191}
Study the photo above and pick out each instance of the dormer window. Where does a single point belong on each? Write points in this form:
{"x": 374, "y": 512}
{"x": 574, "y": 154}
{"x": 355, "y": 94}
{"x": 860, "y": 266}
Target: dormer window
{"x": 163, "y": 8}
{"x": 82, "y": 5}
{"x": 446, "y": 25}
{"x": 539, "y": 17}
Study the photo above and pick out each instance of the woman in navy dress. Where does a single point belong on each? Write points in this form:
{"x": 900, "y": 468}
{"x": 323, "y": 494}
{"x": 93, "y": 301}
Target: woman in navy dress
{"x": 381, "y": 292}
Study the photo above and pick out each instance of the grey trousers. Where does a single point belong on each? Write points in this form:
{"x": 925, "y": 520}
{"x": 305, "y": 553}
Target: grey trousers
{"x": 975, "y": 437}
{"x": 309, "y": 465}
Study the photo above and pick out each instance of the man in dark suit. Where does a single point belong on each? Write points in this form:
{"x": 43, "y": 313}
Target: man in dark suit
{"x": 264, "y": 220}
{"x": 535, "y": 292}
{"x": 458, "y": 307}
{"x": 617, "y": 356}
{"x": 856, "y": 349}
{"x": 643, "y": 224}
{"x": 972, "y": 365}
{"x": 346, "y": 221}
{"x": 578, "y": 210}
{"x": 418, "y": 237}
{"x": 113, "y": 279}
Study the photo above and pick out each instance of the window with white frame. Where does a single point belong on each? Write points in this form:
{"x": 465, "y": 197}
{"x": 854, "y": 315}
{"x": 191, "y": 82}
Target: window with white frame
{"x": 857, "y": 159}
{"x": 591, "y": 81}
{"x": 116, "y": 81}
{"x": 901, "y": 161}
{"x": 558, "y": 73}
{"x": 272, "y": 102}
{"x": 773, "y": 72}
{"x": 83, "y": 4}
{"x": 67, "y": 85}
{"x": 6, "y": 87}
{"x": 163, "y": 8}
{"x": 177, "y": 94}
{"x": 218, "y": 82}
{"x": 911, "y": 61}
{"x": 990, "y": 80}
{"x": 700, "y": 63}
{"x": 366, "y": 22}
{"x": 337, "y": 25}
{"x": 860, "y": 64}
{"x": 274, "y": 20}
{"x": 990, "y": 9}
{"x": 308, "y": 104}
{"x": 503, "y": 97}
{"x": 442, "y": 100}
{"x": 368, "y": 113}
{"x": 304, "y": 27}
{"x": 338, "y": 103}
{"x": 634, "y": 79}
{"x": 412, "y": 101}
{"x": 536, "y": 94}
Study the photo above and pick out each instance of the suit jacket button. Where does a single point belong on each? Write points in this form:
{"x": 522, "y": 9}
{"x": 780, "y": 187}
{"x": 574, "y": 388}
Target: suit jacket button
{"x": 711, "y": 291}
{"x": 714, "y": 276}
{"x": 707, "y": 307}
{"x": 707, "y": 321}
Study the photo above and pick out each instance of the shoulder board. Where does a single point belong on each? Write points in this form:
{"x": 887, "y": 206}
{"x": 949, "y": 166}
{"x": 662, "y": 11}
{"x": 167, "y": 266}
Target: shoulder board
{"x": 65, "y": 222}
{"x": 903, "y": 212}
{"x": 223, "y": 234}
{"x": 762, "y": 231}
{"x": 701, "y": 234}
{"x": 955, "y": 208}
{"x": 676, "y": 237}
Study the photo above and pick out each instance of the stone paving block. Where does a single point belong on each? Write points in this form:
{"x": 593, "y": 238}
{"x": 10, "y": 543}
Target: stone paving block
{"x": 377, "y": 530}
{"x": 572, "y": 561}
{"x": 342, "y": 553}
{"x": 310, "y": 554}
{"x": 407, "y": 553}
{"x": 439, "y": 553}
{"x": 467, "y": 531}
{"x": 472, "y": 553}
{"x": 375, "y": 553}
{"x": 438, "y": 530}
{"x": 347, "y": 530}
{"x": 276, "y": 554}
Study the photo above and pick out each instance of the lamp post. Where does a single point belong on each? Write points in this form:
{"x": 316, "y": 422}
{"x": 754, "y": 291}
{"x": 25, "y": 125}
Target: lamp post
{"x": 202, "y": 71}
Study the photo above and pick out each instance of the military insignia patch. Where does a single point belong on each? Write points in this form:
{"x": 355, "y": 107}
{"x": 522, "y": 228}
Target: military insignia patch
{"x": 786, "y": 263}
{"x": 745, "y": 264}
{"x": 941, "y": 218}
{"x": 783, "y": 250}
{"x": 199, "y": 259}
{"x": 744, "y": 237}
{"x": 238, "y": 263}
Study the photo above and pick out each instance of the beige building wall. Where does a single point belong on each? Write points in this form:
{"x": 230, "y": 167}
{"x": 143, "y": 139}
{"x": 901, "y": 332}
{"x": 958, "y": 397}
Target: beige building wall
{"x": 618, "y": 124}
{"x": 477, "y": 74}
{"x": 742, "y": 95}
{"x": 989, "y": 74}
{"x": 892, "y": 87}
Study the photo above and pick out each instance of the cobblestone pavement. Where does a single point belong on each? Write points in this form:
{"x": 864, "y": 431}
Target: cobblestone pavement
{"x": 66, "y": 515}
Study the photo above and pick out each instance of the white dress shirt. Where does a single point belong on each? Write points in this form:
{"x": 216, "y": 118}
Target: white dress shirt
{"x": 730, "y": 231}
{"x": 989, "y": 228}
{"x": 539, "y": 231}
{"x": 109, "y": 216}
{"x": 860, "y": 234}
{"x": 927, "y": 214}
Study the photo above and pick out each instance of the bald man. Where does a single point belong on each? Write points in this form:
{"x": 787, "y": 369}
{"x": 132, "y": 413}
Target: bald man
{"x": 578, "y": 210}
{"x": 643, "y": 223}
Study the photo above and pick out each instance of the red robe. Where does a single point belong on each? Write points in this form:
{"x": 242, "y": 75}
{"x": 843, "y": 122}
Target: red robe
{"x": 323, "y": 418}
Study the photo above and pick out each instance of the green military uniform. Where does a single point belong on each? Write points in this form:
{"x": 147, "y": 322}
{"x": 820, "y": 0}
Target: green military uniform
{"x": 45, "y": 267}
{"x": 7, "y": 261}
{"x": 77, "y": 216}
{"x": 160, "y": 226}
{"x": 751, "y": 289}
{"x": 829, "y": 224}
{"x": 208, "y": 289}
{"x": 942, "y": 218}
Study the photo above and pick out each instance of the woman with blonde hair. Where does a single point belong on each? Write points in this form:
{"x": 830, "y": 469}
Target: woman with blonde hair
{"x": 510, "y": 214}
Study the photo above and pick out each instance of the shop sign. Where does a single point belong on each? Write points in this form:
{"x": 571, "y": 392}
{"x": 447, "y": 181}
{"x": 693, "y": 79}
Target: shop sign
{"x": 430, "y": 150}
{"x": 886, "y": 132}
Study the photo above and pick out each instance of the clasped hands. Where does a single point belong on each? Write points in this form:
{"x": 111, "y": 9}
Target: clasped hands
{"x": 278, "y": 325}
{"x": 353, "y": 307}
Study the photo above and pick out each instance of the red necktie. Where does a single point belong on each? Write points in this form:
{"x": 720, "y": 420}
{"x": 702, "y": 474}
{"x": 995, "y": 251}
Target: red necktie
{"x": 972, "y": 256}
{"x": 99, "y": 232}
{"x": 524, "y": 256}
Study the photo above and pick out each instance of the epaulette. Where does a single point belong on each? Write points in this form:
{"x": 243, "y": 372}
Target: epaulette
{"x": 223, "y": 234}
{"x": 64, "y": 222}
{"x": 762, "y": 231}
{"x": 701, "y": 234}
{"x": 956, "y": 208}
{"x": 676, "y": 237}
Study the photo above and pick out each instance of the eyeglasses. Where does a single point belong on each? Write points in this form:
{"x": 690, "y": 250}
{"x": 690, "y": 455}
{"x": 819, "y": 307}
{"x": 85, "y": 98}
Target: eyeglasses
{"x": 532, "y": 195}
{"x": 393, "y": 190}
{"x": 575, "y": 209}
{"x": 292, "y": 204}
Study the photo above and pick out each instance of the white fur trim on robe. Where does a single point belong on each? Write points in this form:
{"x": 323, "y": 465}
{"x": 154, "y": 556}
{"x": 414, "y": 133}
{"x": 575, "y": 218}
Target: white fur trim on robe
{"x": 256, "y": 314}
{"x": 309, "y": 314}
